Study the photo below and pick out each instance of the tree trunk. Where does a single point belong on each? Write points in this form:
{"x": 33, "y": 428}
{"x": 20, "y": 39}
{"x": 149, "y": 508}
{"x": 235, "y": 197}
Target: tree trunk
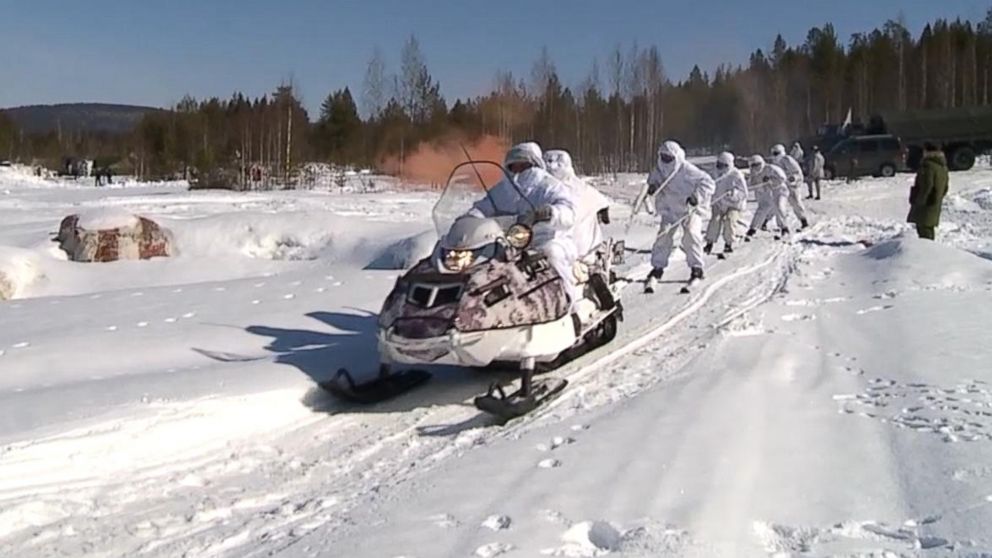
{"x": 289, "y": 142}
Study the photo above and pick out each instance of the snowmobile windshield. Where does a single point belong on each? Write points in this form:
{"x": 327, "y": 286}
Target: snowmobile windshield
{"x": 479, "y": 188}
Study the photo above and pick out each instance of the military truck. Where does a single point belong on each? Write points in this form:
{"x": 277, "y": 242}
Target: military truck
{"x": 962, "y": 133}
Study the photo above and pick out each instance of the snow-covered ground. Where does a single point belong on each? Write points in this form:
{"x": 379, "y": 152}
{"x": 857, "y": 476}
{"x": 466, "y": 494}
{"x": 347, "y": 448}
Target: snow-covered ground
{"x": 830, "y": 396}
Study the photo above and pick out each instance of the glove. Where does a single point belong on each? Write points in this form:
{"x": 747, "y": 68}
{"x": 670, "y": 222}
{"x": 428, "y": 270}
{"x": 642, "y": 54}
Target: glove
{"x": 653, "y": 188}
{"x": 692, "y": 201}
{"x": 539, "y": 215}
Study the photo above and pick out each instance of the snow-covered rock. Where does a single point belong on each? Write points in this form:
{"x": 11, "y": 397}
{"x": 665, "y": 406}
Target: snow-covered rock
{"x": 111, "y": 235}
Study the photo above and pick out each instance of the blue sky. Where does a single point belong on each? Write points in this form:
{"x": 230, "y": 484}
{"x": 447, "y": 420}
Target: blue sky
{"x": 154, "y": 52}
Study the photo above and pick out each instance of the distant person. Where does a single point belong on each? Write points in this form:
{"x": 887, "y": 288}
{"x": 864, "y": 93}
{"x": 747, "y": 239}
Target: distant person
{"x": 928, "y": 192}
{"x": 816, "y": 164}
{"x": 797, "y": 152}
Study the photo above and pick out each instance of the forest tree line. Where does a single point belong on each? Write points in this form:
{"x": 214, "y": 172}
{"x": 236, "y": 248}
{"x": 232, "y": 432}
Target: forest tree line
{"x": 612, "y": 120}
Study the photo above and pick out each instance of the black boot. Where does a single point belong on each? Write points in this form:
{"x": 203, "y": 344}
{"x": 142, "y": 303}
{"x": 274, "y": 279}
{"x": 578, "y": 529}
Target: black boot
{"x": 652, "y": 281}
{"x": 804, "y": 223}
{"x": 750, "y": 233}
{"x": 708, "y": 248}
{"x": 817, "y": 197}
{"x": 728, "y": 248}
{"x": 696, "y": 273}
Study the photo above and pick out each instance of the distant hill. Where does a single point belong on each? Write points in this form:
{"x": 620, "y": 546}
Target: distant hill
{"x": 86, "y": 117}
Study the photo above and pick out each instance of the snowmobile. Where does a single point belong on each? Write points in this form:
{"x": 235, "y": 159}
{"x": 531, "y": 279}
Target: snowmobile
{"x": 487, "y": 297}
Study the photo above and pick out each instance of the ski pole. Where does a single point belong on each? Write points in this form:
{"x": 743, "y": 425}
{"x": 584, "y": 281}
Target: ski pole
{"x": 692, "y": 211}
{"x": 642, "y": 198}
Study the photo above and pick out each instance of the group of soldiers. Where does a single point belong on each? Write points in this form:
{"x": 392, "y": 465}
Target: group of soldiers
{"x": 567, "y": 213}
{"x": 685, "y": 196}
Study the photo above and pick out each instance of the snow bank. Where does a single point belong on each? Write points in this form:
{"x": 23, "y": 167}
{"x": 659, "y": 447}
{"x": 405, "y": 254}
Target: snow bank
{"x": 285, "y": 236}
{"x": 291, "y": 236}
{"x": 405, "y": 253}
{"x": 18, "y": 270}
{"x": 911, "y": 262}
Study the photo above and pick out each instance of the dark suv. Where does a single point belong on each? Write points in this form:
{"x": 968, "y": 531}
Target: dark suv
{"x": 880, "y": 155}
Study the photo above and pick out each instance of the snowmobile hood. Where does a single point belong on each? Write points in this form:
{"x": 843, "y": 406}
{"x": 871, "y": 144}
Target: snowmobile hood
{"x": 470, "y": 233}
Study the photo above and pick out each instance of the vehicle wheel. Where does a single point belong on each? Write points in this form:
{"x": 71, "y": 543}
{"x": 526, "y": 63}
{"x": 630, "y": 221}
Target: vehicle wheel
{"x": 828, "y": 173}
{"x": 963, "y": 158}
{"x": 888, "y": 170}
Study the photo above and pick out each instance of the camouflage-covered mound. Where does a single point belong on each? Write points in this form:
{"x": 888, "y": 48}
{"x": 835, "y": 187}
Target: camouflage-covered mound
{"x": 111, "y": 236}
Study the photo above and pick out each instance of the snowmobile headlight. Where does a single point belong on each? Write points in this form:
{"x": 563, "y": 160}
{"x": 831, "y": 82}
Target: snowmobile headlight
{"x": 458, "y": 260}
{"x": 519, "y": 236}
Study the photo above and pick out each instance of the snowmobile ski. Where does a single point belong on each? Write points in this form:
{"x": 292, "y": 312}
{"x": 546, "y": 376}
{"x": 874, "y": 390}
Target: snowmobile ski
{"x": 508, "y": 407}
{"x": 387, "y": 386}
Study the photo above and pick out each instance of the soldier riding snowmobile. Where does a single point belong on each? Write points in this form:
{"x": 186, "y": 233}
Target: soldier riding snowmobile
{"x": 489, "y": 295}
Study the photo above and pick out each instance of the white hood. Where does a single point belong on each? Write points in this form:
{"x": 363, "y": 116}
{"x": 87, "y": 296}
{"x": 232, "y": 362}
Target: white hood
{"x": 559, "y": 163}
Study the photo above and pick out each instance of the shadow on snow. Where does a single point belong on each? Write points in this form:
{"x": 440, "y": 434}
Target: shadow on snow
{"x": 348, "y": 340}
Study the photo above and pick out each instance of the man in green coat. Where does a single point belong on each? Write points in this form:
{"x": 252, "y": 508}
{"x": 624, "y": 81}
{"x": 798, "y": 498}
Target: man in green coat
{"x": 928, "y": 192}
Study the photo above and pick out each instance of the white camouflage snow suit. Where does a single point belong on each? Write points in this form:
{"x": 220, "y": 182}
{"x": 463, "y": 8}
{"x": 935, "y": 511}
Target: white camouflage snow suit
{"x": 794, "y": 176}
{"x": 681, "y": 192}
{"x": 542, "y": 193}
{"x": 587, "y": 232}
{"x": 729, "y": 200}
{"x": 770, "y": 186}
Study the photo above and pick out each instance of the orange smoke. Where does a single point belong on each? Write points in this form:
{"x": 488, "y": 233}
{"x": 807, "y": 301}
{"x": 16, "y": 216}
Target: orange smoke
{"x": 431, "y": 163}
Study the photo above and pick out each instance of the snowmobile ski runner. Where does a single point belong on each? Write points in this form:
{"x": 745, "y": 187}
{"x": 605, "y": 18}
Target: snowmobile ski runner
{"x": 531, "y": 395}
